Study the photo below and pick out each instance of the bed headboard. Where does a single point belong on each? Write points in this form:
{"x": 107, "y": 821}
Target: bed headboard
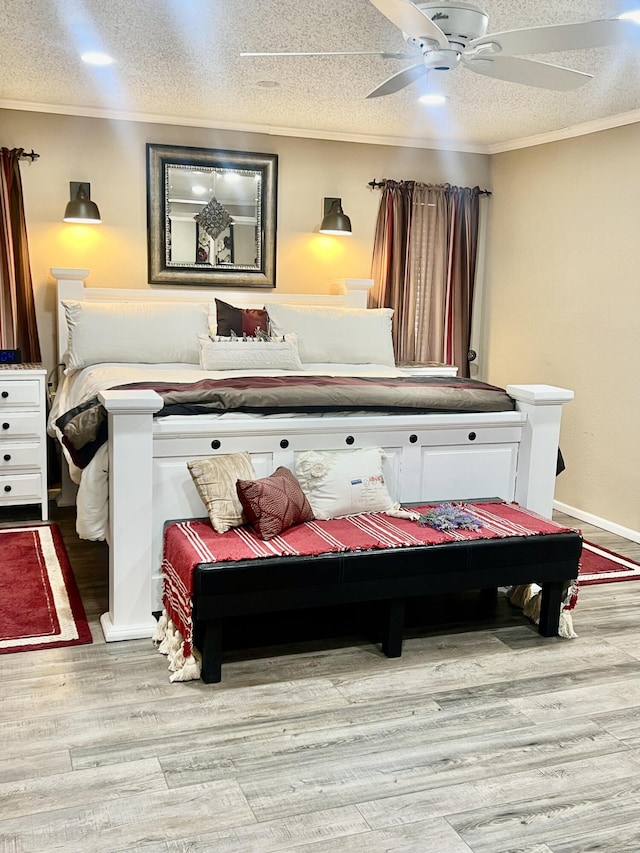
{"x": 72, "y": 284}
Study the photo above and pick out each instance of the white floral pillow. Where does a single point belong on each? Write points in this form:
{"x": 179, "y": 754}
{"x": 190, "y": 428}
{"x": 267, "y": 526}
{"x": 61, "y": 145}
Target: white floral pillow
{"x": 249, "y": 353}
{"x": 344, "y": 482}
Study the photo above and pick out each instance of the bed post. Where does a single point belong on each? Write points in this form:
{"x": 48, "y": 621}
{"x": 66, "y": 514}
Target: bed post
{"x": 355, "y": 290}
{"x": 538, "y": 453}
{"x": 130, "y": 513}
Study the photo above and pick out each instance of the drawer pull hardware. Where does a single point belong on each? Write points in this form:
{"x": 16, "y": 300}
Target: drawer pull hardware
{"x": 472, "y": 436}
{"x": 7, "y": 488}
{"x": 5, "y": 394}
{"x": 284, "y": 443}
{"x": 215, "y": 444}
{"x": 349, "y": 439}
{"x": 5, "y": 425}
{"x": 7, "y": 457}
{"x": 413, "y": 438}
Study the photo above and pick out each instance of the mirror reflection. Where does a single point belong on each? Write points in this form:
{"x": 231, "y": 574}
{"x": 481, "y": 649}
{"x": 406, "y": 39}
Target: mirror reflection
{"x": 213, "y": 217}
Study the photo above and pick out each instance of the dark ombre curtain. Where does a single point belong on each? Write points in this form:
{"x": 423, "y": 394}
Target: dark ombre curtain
{"x": 18, "y": 329}
{"x": 424, "y": 266}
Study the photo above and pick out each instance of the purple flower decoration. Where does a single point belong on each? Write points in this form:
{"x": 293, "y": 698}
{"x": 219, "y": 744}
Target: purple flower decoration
{"x": 449, "y": 516}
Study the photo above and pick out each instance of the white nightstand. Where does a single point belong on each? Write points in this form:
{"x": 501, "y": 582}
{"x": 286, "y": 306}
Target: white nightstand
{"x": 23, "y": 437}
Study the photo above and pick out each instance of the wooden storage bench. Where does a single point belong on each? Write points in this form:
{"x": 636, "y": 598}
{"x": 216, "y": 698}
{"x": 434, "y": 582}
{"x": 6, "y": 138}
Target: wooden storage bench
{"x": 224, "y": 590}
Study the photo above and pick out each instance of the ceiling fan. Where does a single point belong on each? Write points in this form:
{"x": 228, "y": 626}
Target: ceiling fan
{"x": 449, "y": 34}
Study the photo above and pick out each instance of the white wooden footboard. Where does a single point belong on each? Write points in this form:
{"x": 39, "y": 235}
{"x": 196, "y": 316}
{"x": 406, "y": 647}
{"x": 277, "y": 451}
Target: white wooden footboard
{"x": 511, "y": 455}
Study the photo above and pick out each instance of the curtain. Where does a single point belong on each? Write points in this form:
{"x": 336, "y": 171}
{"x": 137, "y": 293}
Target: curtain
{"x": 424, "y": 265}
{"x": 18, "y": 329}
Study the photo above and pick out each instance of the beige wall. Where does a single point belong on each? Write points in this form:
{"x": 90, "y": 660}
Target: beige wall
{"x": 111, "y": 156}
{"x": 563, "y": 303}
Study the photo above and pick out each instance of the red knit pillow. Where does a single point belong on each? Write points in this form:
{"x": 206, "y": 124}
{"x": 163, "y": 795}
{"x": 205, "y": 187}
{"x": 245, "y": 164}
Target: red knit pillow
{"x": 240, "y": 321}
{"x": 273, "y": 504}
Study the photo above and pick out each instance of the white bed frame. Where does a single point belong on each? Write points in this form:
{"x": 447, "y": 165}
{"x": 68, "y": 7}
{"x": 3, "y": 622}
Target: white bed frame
{"x": 511, "y": 455}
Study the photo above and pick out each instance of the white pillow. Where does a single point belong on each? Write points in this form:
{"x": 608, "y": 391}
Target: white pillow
{"x": 342, "y": 335}
{"x": 249, "y": 354}
{"x": 143, "y": 332}
{"x": 344, "y": 482}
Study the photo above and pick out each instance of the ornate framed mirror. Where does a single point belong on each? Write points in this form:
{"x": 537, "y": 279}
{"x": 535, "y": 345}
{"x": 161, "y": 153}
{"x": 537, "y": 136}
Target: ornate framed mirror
{"x": 211, "y": 216}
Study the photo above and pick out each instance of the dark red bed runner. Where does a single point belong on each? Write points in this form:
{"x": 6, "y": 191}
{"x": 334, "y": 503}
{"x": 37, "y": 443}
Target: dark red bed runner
{"x": 188, "y": 543}
{"x": 84, "y": 428}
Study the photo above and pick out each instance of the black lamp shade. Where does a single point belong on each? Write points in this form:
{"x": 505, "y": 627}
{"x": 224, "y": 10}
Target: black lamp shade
{"x": 335, "y": 219}
{"x": 81, "y": 208}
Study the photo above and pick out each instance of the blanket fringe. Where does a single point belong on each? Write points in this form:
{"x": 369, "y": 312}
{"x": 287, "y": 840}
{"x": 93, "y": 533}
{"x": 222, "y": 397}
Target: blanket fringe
{"x": 170, "y": 642}
{"x": 190, "y": 670}
{"x": 398, "y": 511}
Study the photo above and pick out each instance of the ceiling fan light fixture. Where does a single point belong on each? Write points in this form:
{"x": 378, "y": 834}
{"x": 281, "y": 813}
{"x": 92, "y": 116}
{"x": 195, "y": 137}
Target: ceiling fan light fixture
{"x": 631, "y": 15}
{"x": 432, "y": 99}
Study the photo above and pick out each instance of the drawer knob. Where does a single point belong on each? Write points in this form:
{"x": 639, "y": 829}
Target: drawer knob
{"x": 7, "y": 457}
{"x": 7, "y": 488}
{"x": 413, "y": 438}
{"x": 284, "y": 444}
{"x": 5, "y": 394}
{"x": 349, "y": 439}
{"x": 5, "y": 425}
{"x": 215, "y": 444}
{"x": 472, "y": 436}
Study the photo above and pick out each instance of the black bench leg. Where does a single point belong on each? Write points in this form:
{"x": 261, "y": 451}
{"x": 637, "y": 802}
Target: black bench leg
{"x": 552, "y": 594}
{"x": 211, "y": 648}
{"x": 394, "y": 628}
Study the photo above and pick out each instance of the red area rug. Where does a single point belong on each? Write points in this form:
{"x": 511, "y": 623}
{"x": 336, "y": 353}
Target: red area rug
{"x": 597, "y": 565}
{"x": 40, "y": 607}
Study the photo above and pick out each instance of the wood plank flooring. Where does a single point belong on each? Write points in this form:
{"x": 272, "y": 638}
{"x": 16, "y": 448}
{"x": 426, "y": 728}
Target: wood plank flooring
{"x": 482, "y": 738}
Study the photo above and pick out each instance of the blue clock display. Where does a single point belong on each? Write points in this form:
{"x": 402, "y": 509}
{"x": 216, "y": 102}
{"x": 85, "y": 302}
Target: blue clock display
{"x": 10, "y": 356}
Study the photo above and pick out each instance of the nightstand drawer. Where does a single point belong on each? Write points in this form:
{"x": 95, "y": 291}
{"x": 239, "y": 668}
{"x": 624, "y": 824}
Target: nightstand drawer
{"x": 19, "y": 392}
{"x": 20, "y": 425}
{"x": 20, "y": 487}
{"x": 23, "y": 455}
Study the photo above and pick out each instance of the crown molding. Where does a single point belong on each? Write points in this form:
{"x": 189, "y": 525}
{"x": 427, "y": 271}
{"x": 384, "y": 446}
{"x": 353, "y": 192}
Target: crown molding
{"x": 186, "y": 121}
{"x": 569, "y": 132}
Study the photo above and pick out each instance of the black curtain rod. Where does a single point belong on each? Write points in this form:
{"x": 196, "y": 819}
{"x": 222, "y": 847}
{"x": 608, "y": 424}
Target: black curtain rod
{"x": 29, "y": 155}
{"x": 376, "y": 184}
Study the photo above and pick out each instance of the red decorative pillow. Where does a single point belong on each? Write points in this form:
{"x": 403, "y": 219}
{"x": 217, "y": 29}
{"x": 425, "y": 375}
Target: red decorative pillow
{"x": 240, "y": 321}
{"x": 273, "y": 504}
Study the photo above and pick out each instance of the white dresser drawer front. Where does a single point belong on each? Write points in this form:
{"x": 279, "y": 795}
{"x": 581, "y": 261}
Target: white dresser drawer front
{"x": 24, "y": 455}
{"x": 19, "y": 392}
{"x": 20, "y": 487}
{"x": 20, "y": 425}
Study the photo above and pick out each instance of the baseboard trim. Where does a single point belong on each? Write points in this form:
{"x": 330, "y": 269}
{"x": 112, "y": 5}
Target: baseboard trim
{"x": 597, "y": 521}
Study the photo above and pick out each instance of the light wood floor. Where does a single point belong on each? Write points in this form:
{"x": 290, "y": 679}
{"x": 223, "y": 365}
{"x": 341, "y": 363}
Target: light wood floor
{"x": 483, "y": 737}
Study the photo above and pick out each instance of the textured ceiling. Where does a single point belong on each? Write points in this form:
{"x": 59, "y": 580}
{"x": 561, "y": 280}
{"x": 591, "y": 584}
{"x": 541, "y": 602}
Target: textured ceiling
{"x": 180, "y": 59}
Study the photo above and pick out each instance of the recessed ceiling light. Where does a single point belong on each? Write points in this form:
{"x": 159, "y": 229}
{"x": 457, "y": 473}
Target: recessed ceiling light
{"x": 268, "y": 84}
{"x": 94, "y": 58}
{"x": 432, "y": 99}
{"x": 631, "y": 15}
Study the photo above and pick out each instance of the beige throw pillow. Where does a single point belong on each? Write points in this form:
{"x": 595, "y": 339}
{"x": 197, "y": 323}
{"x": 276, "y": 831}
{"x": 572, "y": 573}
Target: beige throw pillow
{"x": 215, "y": 479}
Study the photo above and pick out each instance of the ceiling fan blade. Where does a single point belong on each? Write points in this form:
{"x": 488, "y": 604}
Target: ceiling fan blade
{"x": 381, "y": 53}
{"x": 526, "y": 71}
{"x": 411, "y": 20}
{"x": 399, "y": 81}
{"x": 561, "y": 37}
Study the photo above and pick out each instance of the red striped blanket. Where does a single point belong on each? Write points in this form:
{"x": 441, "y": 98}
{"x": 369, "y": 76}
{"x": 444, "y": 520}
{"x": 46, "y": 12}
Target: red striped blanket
{"x": 189, "y": 543}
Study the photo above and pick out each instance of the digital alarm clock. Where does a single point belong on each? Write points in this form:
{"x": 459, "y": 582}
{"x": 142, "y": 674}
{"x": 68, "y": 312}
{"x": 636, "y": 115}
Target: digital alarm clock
{"x": 10, "y": 356}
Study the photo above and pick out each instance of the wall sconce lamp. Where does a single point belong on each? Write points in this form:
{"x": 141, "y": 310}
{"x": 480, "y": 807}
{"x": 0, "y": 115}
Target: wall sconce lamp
{"x": 335, "y": 219}
{"x": 81, "y": 208}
